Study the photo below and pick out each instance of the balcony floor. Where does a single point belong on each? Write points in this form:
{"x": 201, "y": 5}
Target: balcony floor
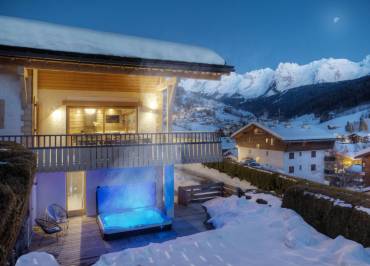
{"x": 83, "y": 245}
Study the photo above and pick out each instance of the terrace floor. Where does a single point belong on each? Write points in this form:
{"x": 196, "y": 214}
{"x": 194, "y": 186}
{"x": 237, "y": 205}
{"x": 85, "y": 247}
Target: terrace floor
{"x": 83, "y": 245}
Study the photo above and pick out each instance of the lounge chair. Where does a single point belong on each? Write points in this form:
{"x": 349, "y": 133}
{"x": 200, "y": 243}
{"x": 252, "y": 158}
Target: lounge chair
{"x": 57, "y": 214}
{"x": 48, "y": 227}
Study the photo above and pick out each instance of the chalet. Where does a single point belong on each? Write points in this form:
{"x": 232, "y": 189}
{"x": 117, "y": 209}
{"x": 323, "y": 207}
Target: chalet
{"x": 95, "y": 108}
{"x": 296, "y": 150}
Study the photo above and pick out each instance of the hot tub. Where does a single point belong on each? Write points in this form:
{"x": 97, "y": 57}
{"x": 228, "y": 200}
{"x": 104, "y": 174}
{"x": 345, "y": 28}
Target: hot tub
{"x": 129, "y": 209}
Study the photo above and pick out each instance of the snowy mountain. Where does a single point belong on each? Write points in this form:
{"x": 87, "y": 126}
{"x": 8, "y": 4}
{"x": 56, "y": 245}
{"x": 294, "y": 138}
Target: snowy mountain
{"x": 320, "y": 88}
{"x": 266, "y": 82}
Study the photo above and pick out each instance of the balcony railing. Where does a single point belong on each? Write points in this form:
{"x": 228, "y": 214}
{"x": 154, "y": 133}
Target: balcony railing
{"x": 93, "y": 151}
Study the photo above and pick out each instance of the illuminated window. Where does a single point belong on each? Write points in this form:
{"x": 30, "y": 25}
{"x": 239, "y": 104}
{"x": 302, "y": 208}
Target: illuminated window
{"x": 258, "y": 146}
{"x": 101, "y": 120}
{"x": 267, "y": 140}
{"x": 272, "y": 141}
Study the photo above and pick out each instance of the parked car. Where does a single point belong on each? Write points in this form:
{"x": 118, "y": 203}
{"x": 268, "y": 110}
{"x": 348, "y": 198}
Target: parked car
{"x": 248, "y": 161}
{"x": 254, "y": 165}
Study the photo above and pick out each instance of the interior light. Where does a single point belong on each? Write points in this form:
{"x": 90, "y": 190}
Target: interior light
{"x": 90, "y": 111}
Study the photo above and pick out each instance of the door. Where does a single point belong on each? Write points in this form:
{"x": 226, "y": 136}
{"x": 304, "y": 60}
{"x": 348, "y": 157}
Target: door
{"x": 76, "y": 193}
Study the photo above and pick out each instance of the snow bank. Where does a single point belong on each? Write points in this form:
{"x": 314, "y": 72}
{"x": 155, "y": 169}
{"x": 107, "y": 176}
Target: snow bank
{"x": 42, "y": 35}
{"x": 214, "y": 175}
{"x": 247, "y": 234}
{"x": 37, "y": 258}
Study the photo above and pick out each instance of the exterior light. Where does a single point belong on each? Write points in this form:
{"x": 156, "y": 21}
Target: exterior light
{"x": 57, "y": 115}
{"x": 153, "y": 103}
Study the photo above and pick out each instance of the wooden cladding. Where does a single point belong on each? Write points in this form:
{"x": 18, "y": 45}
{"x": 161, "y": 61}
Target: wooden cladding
{"x": 66, "y": 80}
{"x": 254, "y": 137}
{"x": 2, "y": 113}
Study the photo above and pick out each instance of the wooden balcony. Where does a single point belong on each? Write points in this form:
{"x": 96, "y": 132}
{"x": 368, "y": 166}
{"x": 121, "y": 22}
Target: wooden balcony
{"x": 93, "y": 151}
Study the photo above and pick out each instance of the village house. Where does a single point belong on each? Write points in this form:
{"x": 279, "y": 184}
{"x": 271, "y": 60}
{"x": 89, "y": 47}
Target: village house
{"x": 96, "y": 108}
{"x": 364, "y": 156}
{"x": 296, "y": 150}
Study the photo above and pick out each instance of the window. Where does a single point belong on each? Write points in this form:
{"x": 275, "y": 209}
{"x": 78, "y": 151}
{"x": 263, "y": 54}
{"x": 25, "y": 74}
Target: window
{"x": 313, "y": 167}
{"x": 291, "y": 169}
{"x": 267, "y": 140}
{"x": 258, "y": 146}
{"x": 272, "y": 141}
{"x": 250, "y": 151}
{"x": 300, "y": 154}
{"x": 300, "y": 167}
{"x": 313, "y": 154}
{"x": 91, "y": 120}
{"x": 267, "y": 153}
{"x": 291, "y": 155}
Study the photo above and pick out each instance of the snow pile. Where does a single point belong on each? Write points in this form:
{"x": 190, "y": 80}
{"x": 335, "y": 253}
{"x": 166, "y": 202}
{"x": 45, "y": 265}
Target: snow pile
{"x": 213, "y": 175}
{"x": 286, "y": 76}
{"x": 37, "y": 259}
{"x": 42, "y": 35}
{"x": 247, "y": 234}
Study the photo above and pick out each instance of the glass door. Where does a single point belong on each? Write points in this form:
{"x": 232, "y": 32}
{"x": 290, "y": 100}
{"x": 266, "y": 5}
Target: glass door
{"x": 76, "y": 193}
{"x": 89, "y": 120}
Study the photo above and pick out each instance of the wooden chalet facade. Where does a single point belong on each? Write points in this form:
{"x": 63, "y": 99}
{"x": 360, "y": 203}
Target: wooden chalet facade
{"x": 96, "y": 109}
{"x": 280, "y": 149}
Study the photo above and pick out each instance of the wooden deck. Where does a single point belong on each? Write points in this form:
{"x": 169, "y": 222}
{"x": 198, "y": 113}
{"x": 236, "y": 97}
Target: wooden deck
{"x": 83, "y": 245}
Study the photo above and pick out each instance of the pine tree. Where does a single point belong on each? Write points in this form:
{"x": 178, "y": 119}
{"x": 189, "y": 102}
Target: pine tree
{"x": 363, "y": 125}
{"x": 349, "y": 127}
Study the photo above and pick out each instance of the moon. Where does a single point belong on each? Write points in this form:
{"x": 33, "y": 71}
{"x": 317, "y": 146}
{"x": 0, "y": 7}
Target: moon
{"x": 336, "y": 20}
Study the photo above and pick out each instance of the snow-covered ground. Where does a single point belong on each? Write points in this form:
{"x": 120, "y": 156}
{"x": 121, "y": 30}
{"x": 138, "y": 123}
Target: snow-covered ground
{"x": 247, "y": 234}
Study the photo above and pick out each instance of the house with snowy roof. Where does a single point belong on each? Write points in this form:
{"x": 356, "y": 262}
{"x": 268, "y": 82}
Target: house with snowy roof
{"x": 298, "y": 150}
{"x": 95, "y": 108}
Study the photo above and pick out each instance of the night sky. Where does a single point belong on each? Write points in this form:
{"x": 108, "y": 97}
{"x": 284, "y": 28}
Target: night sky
{"x": 248, "y": 34}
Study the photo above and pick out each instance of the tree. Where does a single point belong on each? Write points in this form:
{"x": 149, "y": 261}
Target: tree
{"x": 349, "y": 127}
{"x": 363, "y": 125}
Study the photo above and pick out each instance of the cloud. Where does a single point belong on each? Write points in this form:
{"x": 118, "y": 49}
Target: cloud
{"x": 336, "y": 20}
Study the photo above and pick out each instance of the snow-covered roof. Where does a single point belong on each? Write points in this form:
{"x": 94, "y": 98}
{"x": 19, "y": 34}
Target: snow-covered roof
{"x": 362, "y": 153}
{"x": 25, "y": 33}
{"x": 289, "y": 132}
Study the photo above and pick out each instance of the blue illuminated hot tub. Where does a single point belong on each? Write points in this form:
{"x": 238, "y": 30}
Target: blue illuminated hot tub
{"x": 127, "y": 209}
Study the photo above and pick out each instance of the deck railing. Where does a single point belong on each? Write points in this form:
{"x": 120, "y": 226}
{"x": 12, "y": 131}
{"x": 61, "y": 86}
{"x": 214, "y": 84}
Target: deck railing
{"x": 91, "y": 151}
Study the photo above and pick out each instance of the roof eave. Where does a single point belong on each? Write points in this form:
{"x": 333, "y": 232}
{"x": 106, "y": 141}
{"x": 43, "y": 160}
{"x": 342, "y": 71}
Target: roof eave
{"x": 111, "y": 60}
{"x": 309, "y": 140}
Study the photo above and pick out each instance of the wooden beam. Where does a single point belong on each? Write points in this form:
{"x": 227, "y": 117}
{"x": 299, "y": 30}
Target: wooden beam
{"x": 171, "y": 93}
{"x": 131, "y": 104}
{"x": 112, "y": 69}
